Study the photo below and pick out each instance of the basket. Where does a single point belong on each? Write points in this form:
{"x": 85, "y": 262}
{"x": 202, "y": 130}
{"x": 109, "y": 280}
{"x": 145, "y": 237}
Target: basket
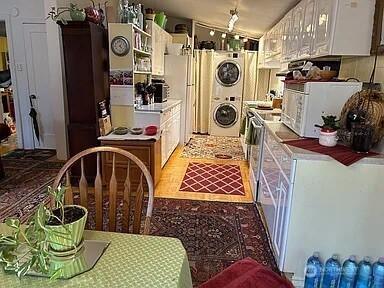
{"x": 370, "y": 104}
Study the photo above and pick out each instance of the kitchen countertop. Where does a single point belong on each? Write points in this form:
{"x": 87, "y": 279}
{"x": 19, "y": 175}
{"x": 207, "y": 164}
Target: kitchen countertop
{"x": 158, "y": 107}
{"x": 128, "y": 136}
{"x": 302, "y": 154}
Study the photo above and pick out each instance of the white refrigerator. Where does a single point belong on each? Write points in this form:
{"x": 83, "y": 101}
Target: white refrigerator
{"x": 178, "y": 74}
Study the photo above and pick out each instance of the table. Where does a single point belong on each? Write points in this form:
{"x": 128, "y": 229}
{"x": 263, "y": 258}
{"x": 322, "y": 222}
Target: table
{"x": 129, "y": 261}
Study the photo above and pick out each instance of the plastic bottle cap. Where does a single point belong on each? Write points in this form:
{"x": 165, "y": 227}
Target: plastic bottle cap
{"x": 367, "y": 259}
{"x": 352, "y": 258}
{"x": 317, "y": 254}
{"x": 381, "y": 260}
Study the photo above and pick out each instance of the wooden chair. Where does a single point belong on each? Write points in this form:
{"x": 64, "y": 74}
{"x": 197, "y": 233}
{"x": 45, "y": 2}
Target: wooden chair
{"x": 98, "y": 189}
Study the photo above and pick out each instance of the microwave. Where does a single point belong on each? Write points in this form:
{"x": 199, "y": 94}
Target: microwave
{"x": 305, "y": 103}
{"x": 161, "y": 93}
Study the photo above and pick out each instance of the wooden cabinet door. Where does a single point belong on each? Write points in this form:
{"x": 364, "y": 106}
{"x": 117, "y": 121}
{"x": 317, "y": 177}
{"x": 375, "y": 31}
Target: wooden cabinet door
{"x": 306, "y": 33}
{"x": 261, "y": 53}
{"x": 268, "y": 193}
{"x": 278, "y": 238}
{"x": 286, "y": 37}
{"x": 297, "y": 22}
{"x": 323, "y": 27}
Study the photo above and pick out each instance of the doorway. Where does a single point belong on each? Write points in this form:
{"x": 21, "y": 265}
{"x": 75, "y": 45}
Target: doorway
{"x": 8, "y": 131}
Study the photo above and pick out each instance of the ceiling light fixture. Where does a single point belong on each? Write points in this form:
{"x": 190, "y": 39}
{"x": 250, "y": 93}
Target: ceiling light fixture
{"x": 233, "y": 19}
{"x": 245, "y": 40}
{"x": 212, "y": 32}
{"x": 237, "y": 37}
{"x": 223, "y": 35}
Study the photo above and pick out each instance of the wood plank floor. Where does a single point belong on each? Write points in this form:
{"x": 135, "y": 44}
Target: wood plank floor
{"x": 174, "y": 171}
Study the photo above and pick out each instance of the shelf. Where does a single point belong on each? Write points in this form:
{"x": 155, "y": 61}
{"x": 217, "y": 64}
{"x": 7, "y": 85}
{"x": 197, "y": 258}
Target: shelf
{"x": 137, "y": 29}
{"x": 142, "y": 72}
{"x": 120, "y": 86}
{"x": 141, "y": 52}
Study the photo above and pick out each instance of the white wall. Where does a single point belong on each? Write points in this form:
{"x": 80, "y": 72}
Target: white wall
{"x": 57, "y": 79}
{"x": 15, "y": 12}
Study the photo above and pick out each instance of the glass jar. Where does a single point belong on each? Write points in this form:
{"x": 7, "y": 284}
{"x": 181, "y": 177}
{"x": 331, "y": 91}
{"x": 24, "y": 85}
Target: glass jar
{"x": 362, "y": 137}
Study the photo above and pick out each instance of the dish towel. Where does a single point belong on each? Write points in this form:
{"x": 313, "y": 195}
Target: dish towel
{"x": 242, "y": 125}
{"x": 253, "y": 134}
{"x": 341, "y": 153}
{"x": 247, "y": 273}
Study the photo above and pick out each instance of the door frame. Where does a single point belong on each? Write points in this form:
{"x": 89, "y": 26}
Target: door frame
{"x": 12, "y": 66}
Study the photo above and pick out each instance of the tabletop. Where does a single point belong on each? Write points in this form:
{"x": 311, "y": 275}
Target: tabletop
{"x": 129, "y": 261}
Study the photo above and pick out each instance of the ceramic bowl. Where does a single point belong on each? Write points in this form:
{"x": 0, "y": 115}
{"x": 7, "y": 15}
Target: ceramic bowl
{"x": 151, "y": 130}
{"x": 120, "y": 131}
{"x": 136, "y": 131}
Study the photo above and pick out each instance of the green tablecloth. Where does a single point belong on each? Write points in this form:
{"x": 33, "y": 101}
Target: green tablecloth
{"x": 130, "y": 261}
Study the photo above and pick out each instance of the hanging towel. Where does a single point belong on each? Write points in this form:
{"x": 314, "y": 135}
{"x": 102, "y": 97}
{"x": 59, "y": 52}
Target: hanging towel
{"x": 253, "y": 134}
{"x": 242, "y": 125}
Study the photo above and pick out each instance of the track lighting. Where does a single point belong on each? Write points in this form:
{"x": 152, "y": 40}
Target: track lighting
{"x": 245, "y": 40}
{"x": 233, "y": 19}
{"x": 237, "y": 37}
{"x": 212, "y": 32}
{"x": 223, "y": 35}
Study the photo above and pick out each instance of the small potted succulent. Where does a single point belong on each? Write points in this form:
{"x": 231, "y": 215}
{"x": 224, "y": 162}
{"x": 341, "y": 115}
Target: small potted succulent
{"x": 49, "y": 234}
{"x": 328, "y": 133}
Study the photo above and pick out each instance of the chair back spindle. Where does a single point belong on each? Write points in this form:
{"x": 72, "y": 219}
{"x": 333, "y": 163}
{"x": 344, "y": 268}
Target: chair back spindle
{"x": 113, "y": 195}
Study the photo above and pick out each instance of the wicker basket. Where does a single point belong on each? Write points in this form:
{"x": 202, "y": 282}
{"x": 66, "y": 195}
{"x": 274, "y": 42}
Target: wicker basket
{"x": 371, "y": 104}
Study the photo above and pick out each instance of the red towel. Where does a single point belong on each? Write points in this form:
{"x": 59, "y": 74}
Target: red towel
{"x": 341, "y": 153}
{"x": 247, "y": 273}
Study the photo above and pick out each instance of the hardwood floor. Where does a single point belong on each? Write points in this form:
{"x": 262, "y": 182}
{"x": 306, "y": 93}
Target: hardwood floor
{"x": 8, "y": 145}
{"x": 174, "y": 171}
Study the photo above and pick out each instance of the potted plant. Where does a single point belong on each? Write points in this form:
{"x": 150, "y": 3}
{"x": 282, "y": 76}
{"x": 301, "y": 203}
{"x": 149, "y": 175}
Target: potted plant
{"x": 328, "y": 132}
{"x": 48, "y": 234}
{"x": 75, "y": 13}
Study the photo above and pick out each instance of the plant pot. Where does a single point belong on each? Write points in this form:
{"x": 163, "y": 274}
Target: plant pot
{"x": 75, "y": 229}
{"x": 328, "y": 138}
{"x": 77, "y": 15}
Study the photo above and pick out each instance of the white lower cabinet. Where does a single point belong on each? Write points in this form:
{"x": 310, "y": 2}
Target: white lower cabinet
{"x": 274, "y": 192}
{"x": 309, "y": 205}
{"x": 170, "y": 133}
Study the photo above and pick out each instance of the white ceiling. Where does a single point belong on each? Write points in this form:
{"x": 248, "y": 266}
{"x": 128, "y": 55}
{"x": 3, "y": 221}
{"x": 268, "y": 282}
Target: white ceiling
{"x": 255, "y": 16}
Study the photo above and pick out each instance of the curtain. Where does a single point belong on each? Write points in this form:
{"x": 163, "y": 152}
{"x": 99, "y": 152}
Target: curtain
{"x": 250, "y": 75}
{"x": 204, "y": 71}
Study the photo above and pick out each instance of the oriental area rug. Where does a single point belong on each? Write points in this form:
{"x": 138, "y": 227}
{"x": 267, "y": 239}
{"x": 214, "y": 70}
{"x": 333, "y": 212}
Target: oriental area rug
{"x": 24, "y": 187}
{"x": 213, "y": 147}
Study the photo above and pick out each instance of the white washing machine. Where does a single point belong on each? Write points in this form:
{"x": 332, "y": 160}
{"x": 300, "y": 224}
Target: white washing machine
{"x": 227, "y": 92}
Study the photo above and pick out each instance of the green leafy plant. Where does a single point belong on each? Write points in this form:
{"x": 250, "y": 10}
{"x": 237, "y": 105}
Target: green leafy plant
{"x": 330, "y": 123}
{"x": 28, "y": 247}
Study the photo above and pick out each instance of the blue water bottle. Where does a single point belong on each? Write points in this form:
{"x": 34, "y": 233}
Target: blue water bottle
{"x": 378, "y": 274}
{"x": 332, "y": 272}
{"x": 313, "y": 271}
{"x": 364, "y": 273}
{"x": 349, "y": 272}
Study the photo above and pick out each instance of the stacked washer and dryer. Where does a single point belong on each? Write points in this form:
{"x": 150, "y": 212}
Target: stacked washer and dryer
{"x": 226, "y": 101}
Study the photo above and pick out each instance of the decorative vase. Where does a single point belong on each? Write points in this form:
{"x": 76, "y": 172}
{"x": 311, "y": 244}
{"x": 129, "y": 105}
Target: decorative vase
{"x": 328, "y": 138}
{"x": 77, "y": 14}
{"x": 75, "y": 230}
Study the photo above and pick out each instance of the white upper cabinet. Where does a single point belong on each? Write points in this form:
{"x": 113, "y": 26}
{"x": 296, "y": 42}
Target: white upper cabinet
{"x": 286, "y": 37}
{"x": 307, "y": 28}
{"x": 316, "y": 28}
{"x": 296, "y": 28}
{"x": 324, "y": 18}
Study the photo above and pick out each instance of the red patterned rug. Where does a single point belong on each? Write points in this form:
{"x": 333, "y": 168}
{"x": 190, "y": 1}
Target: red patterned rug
{"x": 213, "y": 178}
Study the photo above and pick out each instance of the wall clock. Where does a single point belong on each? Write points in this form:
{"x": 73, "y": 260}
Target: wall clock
{"x": 120, "y": 46}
